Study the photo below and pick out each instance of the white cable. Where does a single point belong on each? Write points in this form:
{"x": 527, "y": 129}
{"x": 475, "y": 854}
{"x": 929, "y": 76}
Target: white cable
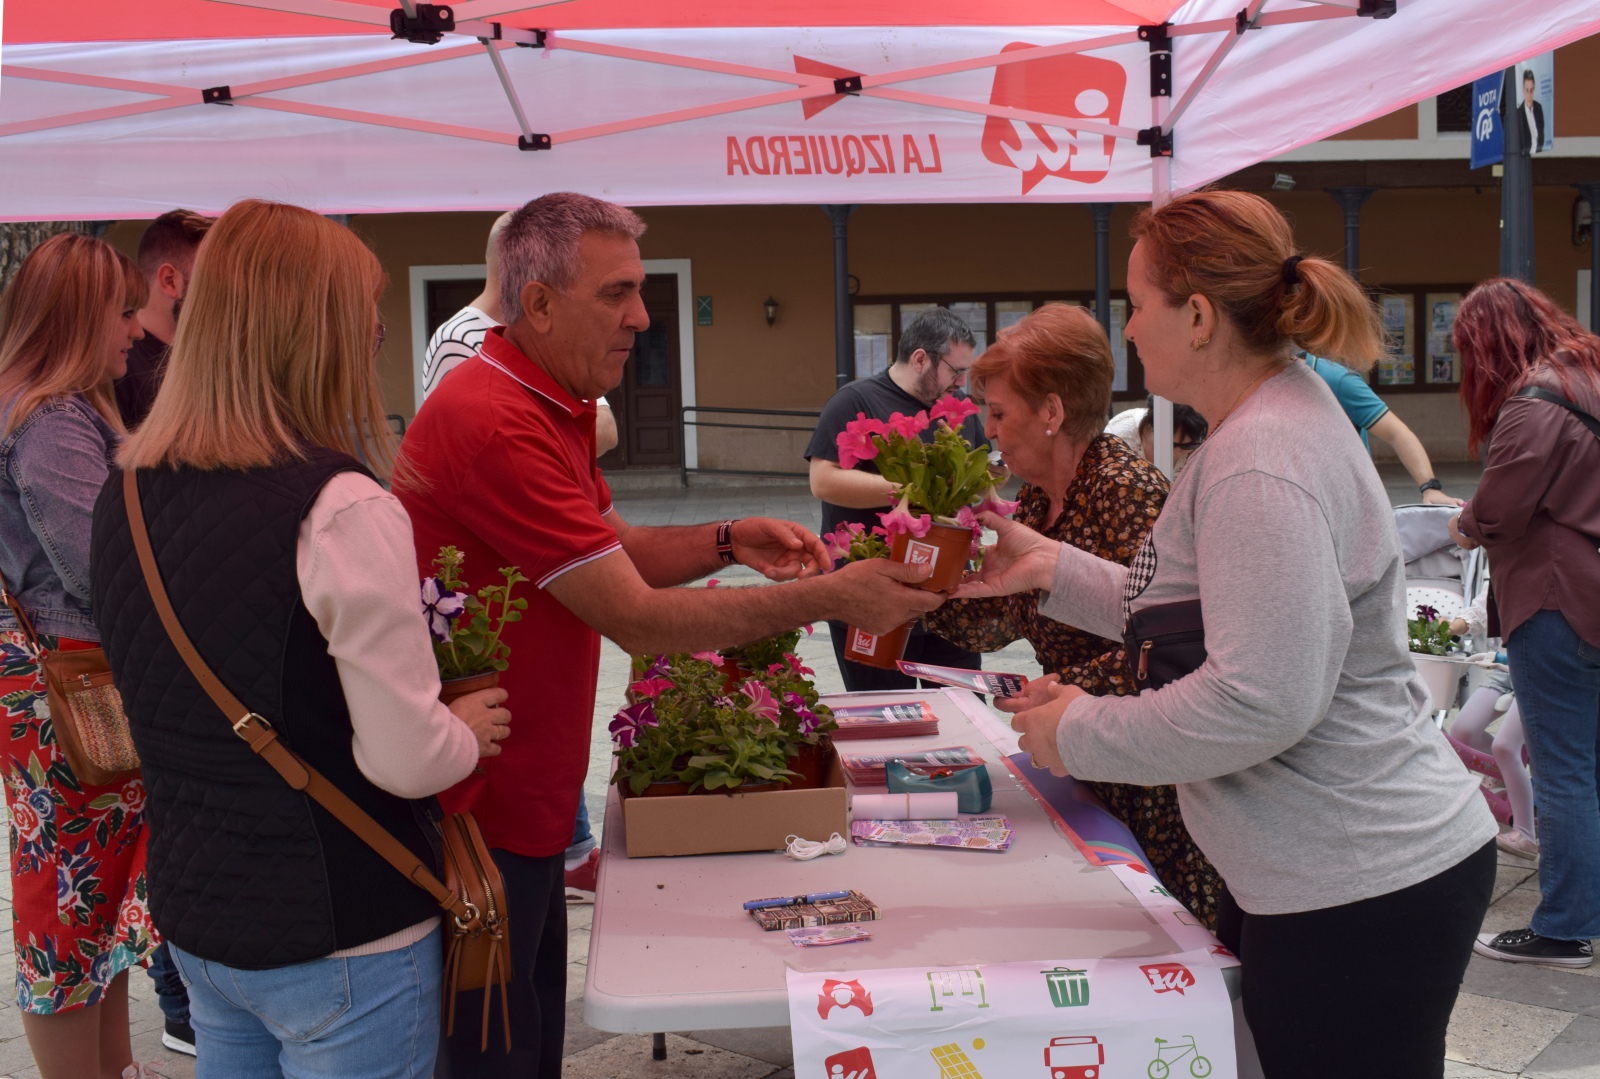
{"x": 803, "y": 850}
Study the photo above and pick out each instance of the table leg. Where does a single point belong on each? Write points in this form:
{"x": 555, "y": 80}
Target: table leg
{"x": 658, "y": 1047}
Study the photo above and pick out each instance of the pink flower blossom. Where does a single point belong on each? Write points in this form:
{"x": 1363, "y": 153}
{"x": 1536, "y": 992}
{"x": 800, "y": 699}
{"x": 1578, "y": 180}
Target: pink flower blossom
{"x": 761, "y": 701}
{"x": 909, "y": 427}
{"x": 953, "y": 410}
{"x": 855, "y": 527}
{"x": 713, "y": 658}
{"x": 807, "y": 628}
{"x": 837, "y": 543}
{"x": 630, "y": 721}
{"x": 651, "y": 687}
{"x": 966, "y": 516}
{"x": 713, "y": 583}
{"x": 797, "y": 704}
{"x": 796, "y": 665}
{"x": 855, "y": 441}
{"x": 900, "y": 519}
{"x": 993, "y": 503}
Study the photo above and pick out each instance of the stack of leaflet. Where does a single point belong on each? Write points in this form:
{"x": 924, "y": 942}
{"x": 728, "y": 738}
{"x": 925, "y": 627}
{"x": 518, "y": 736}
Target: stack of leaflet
{"x": 870, "y": 769}
{"x": 903, "y": 720}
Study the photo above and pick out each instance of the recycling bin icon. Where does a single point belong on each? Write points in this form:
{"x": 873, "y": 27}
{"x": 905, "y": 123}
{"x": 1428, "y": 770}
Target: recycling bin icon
{"x": 1068, "y": 988}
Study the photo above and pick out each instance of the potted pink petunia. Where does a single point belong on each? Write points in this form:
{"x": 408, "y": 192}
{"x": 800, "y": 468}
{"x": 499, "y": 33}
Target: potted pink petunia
{"x": 942, "y": 484}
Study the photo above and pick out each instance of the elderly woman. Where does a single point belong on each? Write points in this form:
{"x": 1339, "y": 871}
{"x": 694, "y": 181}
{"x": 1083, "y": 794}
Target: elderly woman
{"x": 1358, "y": 855}
{"x": 1047, "y": 386}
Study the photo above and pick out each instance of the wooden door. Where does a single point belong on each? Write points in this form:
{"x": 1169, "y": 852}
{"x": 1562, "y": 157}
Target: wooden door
{"x": 646, "y": 403}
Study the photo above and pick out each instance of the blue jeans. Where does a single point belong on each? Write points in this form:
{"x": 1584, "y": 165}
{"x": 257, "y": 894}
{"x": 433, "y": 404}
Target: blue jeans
{"x": 1558, "y": 690}
{"x": 170, "y": 993}
{"x": 366, "y": 1017}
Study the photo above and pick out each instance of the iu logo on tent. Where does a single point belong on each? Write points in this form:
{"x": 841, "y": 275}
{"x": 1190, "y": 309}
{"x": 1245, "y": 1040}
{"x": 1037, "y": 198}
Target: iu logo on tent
{"x": 1073, "y": 86}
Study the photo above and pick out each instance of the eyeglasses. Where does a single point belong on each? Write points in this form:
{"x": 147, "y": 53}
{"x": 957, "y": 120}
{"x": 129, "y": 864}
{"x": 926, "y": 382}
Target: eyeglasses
{"x": 377, "y": 342}
{"x": 959, "y": 372}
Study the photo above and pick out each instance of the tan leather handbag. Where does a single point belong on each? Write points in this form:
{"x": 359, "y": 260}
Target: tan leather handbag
{"x": 473, "y": 893}
{"x": 85, "y": 708}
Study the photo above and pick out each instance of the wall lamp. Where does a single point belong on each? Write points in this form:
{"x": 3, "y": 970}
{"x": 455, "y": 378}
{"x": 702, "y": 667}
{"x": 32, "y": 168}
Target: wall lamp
{"x": 772, "y": 310}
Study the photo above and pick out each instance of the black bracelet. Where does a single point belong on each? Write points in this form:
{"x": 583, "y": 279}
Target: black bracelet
{"x": 1432, "y": 485}
{"x": 725, "y": 542}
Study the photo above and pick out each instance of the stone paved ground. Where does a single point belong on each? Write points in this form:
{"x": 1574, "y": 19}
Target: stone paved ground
{"x": 1533, "y": 1022}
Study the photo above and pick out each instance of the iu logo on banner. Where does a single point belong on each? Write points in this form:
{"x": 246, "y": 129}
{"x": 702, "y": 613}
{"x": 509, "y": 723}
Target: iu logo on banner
{"x": 1168, "y": 977}
{"x": 1073, "y": 85}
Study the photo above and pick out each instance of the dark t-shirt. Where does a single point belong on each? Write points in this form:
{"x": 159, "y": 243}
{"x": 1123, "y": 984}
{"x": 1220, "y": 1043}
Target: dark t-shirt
{"x": 136, "y": 390}
{"x": 878, "y": 397}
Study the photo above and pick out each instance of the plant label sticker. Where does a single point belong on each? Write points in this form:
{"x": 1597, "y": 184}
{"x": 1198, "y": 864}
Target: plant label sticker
{"x": 864, "y": 642}
{"x": 922, "y": 554}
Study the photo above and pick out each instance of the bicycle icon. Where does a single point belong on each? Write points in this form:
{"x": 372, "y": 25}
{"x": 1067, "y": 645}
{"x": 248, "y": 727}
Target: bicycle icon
{"x": 1169, "y": 1053}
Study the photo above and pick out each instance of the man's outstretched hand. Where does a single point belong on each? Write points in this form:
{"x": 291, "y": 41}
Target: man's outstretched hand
{"x": 778, "y": 550}
{"x": 1022, "y": 560}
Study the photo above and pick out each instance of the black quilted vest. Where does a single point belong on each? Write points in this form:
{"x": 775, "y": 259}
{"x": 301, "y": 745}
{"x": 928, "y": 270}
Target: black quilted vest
{"x": 243, "y": 869}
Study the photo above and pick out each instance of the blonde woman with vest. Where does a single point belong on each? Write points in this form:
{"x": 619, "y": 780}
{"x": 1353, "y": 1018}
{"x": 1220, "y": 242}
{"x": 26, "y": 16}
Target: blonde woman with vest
{"x": 292, "y": 571}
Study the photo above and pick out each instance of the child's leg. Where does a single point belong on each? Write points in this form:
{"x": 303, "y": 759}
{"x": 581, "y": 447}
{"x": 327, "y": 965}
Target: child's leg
{"x": 1519, "y": 787}
{"x": 1474, "y": 717}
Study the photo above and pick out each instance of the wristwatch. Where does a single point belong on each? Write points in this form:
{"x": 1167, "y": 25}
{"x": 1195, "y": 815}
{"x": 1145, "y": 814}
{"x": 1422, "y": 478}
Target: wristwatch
{"x": 1432, "y": 485}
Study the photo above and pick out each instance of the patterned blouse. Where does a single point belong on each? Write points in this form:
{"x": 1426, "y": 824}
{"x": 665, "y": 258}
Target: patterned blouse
{"x": 1107, "y": 510}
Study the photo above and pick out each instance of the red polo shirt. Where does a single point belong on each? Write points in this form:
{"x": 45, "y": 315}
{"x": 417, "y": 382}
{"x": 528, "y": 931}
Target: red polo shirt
{"x": 507, "y": 463}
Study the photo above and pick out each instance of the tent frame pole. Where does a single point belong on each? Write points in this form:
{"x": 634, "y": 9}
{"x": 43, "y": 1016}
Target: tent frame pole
{"x": 505, "y": 84}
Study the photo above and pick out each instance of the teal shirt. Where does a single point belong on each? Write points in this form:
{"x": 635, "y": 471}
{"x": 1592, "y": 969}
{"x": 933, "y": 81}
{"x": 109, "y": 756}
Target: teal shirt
{"x": 1354, "y": 395}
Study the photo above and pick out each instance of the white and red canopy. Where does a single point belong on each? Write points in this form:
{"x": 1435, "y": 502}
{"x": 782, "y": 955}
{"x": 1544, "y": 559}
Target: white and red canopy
{"x": 126, "y": 108}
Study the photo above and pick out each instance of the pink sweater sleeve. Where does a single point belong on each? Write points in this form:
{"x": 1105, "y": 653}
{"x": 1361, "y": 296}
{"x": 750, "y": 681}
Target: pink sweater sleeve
{"x": 358, "y": 578}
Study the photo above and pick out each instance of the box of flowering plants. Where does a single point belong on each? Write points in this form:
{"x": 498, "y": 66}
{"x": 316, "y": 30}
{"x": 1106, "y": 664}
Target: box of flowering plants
{"x": 704, "y": 767}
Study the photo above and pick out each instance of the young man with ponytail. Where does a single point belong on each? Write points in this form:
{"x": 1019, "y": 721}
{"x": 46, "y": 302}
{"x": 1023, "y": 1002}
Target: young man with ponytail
{"x": 1358, "y": 856}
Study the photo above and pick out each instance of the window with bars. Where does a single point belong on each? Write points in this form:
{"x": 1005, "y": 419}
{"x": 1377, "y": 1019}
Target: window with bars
{"x": 1454, "y": 109}
{"x": 879, "y": 321}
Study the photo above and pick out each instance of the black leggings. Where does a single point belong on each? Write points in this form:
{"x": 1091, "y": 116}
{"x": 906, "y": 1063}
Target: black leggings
{"x": 1365, "y": 989}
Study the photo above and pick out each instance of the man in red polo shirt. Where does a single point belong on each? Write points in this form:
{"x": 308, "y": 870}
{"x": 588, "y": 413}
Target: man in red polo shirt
{"x": 500, "y": 463}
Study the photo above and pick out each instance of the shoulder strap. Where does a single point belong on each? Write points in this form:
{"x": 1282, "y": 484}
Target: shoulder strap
{"x": 259, "y": 733}
{"x": 1539, "y": 393}
{"x": 21, "y": 615}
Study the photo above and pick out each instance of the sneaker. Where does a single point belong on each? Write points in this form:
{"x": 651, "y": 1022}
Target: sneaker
{"x": 179, "y": 1037}
{"x": 1526, "y": 946}
{"x": 1519, "y": 844}
{"x": 581, "y": 882}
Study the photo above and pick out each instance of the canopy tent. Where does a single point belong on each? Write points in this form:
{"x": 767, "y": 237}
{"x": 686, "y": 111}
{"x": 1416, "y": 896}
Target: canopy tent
{"x": 115, "y": 109}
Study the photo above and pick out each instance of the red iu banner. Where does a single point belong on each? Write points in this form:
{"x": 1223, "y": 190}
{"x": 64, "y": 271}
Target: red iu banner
{"x": 1070, "y": 85}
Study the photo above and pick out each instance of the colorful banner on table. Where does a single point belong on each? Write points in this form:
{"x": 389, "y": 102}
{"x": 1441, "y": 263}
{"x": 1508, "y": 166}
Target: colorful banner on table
{"x": 1051, "y": 1019}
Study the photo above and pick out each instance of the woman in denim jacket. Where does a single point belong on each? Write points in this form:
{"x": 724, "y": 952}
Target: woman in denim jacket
{"x": 66, "y": 324}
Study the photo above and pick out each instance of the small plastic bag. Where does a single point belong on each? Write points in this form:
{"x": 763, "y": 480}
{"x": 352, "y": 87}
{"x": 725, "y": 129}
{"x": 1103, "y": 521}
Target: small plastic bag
{"x": 973, "y": 790}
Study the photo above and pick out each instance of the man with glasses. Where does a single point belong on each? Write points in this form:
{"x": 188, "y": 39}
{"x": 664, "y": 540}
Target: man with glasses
{"x": 935, "y": 351}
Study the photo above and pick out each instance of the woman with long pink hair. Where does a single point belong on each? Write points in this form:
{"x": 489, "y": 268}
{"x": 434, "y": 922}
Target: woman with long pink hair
{"x": 1531, "y": 387}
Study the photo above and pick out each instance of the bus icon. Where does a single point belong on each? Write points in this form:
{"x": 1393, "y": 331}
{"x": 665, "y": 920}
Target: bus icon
{"x": 1078, "y": 1056}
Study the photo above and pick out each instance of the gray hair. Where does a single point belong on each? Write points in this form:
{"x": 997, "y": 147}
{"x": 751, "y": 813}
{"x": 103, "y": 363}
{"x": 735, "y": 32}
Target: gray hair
{"x": 935, "y": 332}
{"x": 540, "y": 242}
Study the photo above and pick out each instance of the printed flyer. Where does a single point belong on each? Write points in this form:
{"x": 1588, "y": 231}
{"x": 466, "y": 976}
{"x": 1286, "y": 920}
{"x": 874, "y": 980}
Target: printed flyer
{"x": 1154, "y": 1018}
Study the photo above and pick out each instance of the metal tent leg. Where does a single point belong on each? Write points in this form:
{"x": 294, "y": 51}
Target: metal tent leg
{"x": 658, "y": 1047}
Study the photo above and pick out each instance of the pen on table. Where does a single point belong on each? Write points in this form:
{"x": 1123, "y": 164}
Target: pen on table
{"x": 795, "y": 900}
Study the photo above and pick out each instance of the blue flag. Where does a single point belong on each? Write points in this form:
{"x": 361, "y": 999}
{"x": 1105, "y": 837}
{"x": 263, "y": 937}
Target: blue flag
{"x": 1488, "y": 135}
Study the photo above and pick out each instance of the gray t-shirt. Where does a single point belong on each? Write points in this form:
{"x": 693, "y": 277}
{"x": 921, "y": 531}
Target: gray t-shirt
{"x": 1308, "y": 769}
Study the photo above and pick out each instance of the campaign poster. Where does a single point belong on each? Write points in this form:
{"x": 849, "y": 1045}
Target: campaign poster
{"x": 1535, "y": 101}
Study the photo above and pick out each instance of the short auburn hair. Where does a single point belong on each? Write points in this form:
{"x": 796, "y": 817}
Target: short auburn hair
{"x": 172, "y": 238}
{"x": 1231, "y": 247}
{"x": 1058, "y": 349}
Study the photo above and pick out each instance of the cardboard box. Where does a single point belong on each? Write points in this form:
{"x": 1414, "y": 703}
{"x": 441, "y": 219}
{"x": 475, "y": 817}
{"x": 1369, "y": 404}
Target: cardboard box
{"x": 721, "y": 823}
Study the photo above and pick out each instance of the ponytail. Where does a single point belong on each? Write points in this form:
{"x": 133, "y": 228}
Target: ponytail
{"x": 1235, "y": 249}
{"x": 1328, "y": 314}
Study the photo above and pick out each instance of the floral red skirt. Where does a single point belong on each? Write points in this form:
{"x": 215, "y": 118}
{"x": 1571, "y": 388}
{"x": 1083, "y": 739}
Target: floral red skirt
{"x": 80, "y": 915}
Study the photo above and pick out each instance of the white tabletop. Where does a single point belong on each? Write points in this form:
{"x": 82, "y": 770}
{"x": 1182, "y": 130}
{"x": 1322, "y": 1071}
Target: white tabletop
{"x": 672, "y": 948}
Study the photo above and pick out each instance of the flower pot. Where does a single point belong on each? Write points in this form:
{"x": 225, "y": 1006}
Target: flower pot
{"x": 812, "y": 764}
{"x": 883, "y": 652}
{"x": 1443, "y": 676}
{"x": 453, "y": 688}
{"x": 733, "y": 674}
{"x": 945, "y": 548}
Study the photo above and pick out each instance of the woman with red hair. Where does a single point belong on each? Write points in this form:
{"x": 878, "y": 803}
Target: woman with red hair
{"x": 1530, "y": 381}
